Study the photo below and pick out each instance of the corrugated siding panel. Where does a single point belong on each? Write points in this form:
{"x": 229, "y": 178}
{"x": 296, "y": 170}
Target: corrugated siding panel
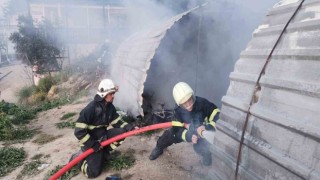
{"x": 282, "y": 139}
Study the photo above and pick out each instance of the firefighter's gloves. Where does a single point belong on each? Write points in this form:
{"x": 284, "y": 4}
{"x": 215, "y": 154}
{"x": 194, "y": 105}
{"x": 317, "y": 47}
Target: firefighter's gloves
{"x": 200, "y": 130}
{"x": 103, "y": 138}
{"x": 191, "y": 127}
{"x": 198, "y": 134}
{"x": 97, "y": 146}
{"x": 194, "y": 139}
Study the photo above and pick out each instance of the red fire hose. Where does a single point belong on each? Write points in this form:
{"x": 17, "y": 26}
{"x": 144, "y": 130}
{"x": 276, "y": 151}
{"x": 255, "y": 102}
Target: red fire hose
{"x": 107, "y": 142}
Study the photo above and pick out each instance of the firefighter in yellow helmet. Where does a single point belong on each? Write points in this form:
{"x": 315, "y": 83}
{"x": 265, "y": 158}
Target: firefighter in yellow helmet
{"x": 199, "y": 113}
{"x": 97, "y": 122}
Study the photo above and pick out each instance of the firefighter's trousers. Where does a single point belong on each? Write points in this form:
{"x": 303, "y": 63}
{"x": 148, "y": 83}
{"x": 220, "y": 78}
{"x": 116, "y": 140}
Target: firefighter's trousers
{"x": 167, "y": 139}
{"x": 92, "y": 165}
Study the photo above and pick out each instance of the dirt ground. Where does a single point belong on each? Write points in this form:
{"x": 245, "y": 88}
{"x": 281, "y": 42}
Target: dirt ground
{"x": 12, "y": 78}
{"x": 178, "y": 162}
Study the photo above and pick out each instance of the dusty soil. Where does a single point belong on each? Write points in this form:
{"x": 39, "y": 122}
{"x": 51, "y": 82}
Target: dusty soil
{"x": 179, "y": 161}
{"x": 12, "y": 78}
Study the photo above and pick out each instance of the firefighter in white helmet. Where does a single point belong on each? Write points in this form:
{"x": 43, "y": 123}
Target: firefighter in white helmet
{"x": 199, "y": 113}
{"x": 97, "y": 122}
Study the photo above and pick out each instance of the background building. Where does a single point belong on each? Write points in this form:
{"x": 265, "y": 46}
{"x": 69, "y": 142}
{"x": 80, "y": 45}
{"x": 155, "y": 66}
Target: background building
{"x": 82, "y": 25}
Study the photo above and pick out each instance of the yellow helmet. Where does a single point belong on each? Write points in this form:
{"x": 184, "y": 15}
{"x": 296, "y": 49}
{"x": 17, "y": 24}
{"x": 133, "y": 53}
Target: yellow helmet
{"x": 182, "y": 92}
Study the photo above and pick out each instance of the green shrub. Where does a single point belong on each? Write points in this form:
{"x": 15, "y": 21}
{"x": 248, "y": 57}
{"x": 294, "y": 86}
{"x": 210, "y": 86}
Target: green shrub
{"x": 45, "y": 84}
{"x": 6, "y": 107}
{"x": 26, "y": 92}
{"x": 11, "y": 114}
{"x": 10, "y": 158}
{"x": 66, "y": 176}
{"x": 22, "y": 133}
{"x": 68, "y": 124}
{"x": 49, "y": 105}
{"x": 30, "y": 169}
{"x": 68, "y": 115}
{"x": 38, "y": 97}
{"x": 18, "y": 115}
{"x": 61, "y": 77}
{"x": 5, "y": 126}
{"x": 121, "y": 161}
{"x": 13, "y": 134}
{"x": 21, "y": 115}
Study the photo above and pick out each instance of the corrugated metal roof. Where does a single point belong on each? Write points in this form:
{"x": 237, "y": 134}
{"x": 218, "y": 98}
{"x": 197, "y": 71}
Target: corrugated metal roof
{"x": 282, "y": 139}
{"x": 132, "y": 61}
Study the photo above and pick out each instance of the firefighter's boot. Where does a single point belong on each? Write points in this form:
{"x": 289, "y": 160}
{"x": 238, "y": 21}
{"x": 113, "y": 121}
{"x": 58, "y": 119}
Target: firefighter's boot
{"x": 156, "y": 152}
{"x": 207, "y": 160}
{"x": 75, "y": 155}
{"x": 164, "y": 141}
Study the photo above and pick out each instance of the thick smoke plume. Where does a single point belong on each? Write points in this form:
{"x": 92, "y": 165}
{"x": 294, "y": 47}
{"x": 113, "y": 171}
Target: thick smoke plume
{"x": 200, "y": 49}
{"x": 222, "y": 29}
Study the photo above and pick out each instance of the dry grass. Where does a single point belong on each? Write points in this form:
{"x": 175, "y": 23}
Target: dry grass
{"x": 45, "y": 138}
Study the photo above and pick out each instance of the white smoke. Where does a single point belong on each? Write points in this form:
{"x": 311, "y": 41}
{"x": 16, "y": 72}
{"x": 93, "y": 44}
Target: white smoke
{"x": 144, "y": 15}
{"x": 3, "y": 4}
{"x": 225, "y": 29}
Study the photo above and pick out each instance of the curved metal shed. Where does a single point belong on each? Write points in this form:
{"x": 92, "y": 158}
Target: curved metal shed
{"x": 282, "y": 137}
{"x": 132, "y": 62}
{"x": 149, "y": 64}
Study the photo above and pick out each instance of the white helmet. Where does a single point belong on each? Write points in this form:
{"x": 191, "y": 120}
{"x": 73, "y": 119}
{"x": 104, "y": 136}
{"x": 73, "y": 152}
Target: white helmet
{"x": 106, "y": 86}
{"x": 182, "y": 92}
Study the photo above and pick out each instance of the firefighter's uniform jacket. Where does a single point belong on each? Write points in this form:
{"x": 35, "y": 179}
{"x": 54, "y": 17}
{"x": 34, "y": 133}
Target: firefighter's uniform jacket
{"x": 98, "y": 120}
{"x": 203, "y": 113}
